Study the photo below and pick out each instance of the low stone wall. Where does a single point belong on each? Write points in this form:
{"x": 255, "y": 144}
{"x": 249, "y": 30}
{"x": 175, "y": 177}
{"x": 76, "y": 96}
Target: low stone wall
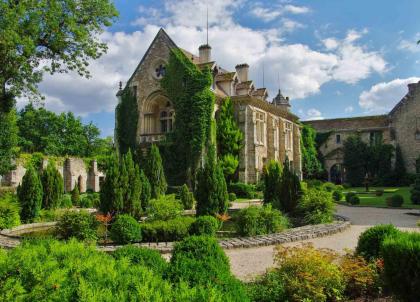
{"x": 10, "y": 238}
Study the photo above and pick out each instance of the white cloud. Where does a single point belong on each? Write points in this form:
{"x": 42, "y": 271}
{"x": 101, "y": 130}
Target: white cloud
{"x": 382, "y": 97}
{"x": 314, "y": 114}
{"x": 349, "y": 109}
{"x": 270, "y": 13}
{"x": 409, "y": 45}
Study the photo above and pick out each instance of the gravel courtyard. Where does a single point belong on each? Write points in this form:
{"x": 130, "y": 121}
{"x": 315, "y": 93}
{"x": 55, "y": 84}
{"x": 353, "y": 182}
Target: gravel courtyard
{"x": 247, "y": 263}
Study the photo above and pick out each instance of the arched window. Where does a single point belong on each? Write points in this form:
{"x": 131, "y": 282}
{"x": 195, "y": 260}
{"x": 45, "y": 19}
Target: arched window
{"x": 166, "y": 120}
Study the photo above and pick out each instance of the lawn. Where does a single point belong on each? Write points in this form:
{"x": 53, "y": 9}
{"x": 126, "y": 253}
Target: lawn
{"x": 370, "y": 199}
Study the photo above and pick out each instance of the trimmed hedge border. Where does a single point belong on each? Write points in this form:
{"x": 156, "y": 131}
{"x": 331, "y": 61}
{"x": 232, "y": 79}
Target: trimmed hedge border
{"x": 8, "y": 238}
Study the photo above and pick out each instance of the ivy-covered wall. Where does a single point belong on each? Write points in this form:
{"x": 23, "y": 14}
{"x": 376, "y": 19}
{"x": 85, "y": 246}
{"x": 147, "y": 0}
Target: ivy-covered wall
{"x": 127, "y": 116}
{"x": 189, "y": 90}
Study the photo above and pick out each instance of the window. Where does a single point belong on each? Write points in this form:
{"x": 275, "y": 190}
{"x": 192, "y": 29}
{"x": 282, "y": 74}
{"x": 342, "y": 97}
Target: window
{"x": 288, "y": 135}
{"x": 375, "y": 138}
{"x": 338, "y": 139}
{"x": 166, "y": 121}
{"x": 160, "y": 71}
{"x": 260, "y": 127}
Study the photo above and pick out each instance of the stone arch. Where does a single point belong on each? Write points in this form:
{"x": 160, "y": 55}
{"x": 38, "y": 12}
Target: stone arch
{"x": 157, "y": 115}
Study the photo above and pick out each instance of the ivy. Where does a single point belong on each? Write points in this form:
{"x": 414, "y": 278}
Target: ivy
{"x": 189, "y": 90}
{"x": 311, "y": 164}
{"x": 127, "y": 115}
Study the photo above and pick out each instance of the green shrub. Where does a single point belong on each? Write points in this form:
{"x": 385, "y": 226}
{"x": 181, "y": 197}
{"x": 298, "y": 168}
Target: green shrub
{"x": 232, "y": 196}
{"x": 415, "y": 191}
{"x": 73, "y": 271}
{"x": 267, "y": 288}
{"x": 50, "y": 215}
{"x": 349, "y": 195}
{"x": 308, "y": 274}
{"x": 75, "y": 195}
{"x": 242, "y": 190}
{"x": 65, "y": 201}
{"x": 125, "y": 229}
{"x": 328, "y": 186}
{"x": 199, "y": 260}
{"x": 370, "y": 241}
{"x": 272, "y": 177}
{"x": 164, "y": 208}
{"x": 53, "y": 187}
{"x": 90, "y": 200}
{"x": 395, "y": 201}
{"x": 9, "y": 212}
{"x": 337, "y": 195}
{"x": 401, "y": 255}
{"x": 205, "y": 225}
{"x": 163, "y": 231}
{"x": 80, "y": 225}
{"x": 6, "y": 191}
{"x": 316, "y": 206}
{"x": 186, "y": 197}
{"x": 255, "y": 220}
{"x": 142, "y": 256}
{"x": 29, "y": 195}
{"x": 354, "y": 200}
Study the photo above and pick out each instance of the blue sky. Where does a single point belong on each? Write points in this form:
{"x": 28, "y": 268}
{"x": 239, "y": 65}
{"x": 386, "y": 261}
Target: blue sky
{"x": 333, "y": 58}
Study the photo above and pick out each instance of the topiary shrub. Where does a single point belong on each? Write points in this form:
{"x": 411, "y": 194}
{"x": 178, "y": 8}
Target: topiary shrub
{"x": 75, "y": 195}
{"x": 255, "y": 220}
{"x": 242, "y": 190}
{"x": 125, "y": 229}
{"x": 395, "y": 201}
{"x": 316, "y": 206}
{"x": 354, "y": 200}
{"x": 9, "y": 212}
{"x": 163, "y": 231}
{"x": 349, "y": 195}
{"x": 401, "y": 255}
{"x": 142, "y": 256}
{"x": 80, "y": 225}
{"x": 337, "y": 195}
{"x": 29, "y": 194}
{"x": 186, "y": 197}
{"x": 199, "y": 260}
{"x": 164, "y": 208}
{"x": 308, "y": 274}
{"x": 370, "y": 241}
{"x": 205, "y": 225}
{"x": 232, "y": 196}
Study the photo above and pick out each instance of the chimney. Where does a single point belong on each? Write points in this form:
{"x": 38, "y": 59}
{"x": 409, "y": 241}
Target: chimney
{"x": 204, "y": 52}
{"x": 242, "y": 72}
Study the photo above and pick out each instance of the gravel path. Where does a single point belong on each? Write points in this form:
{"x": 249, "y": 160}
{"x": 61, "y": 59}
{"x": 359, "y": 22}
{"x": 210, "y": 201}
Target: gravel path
{"x": 247, "y": 263}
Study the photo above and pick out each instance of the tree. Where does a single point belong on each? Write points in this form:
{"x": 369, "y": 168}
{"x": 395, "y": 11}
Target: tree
{"x": 272, "y": 183}
{"x": 132, "y": 192}
{"x": 53, "y": 187}
{"x": 290, "y": 189}
{"x": 229, "y": 138}
{"x": 30, "y": 195}
{"x": 8, "y": 140}
{"x": 311, "y": 166}
{"x": 400, "y": 172}
{"x": 111, "y": 195}
{"x": 75, "y": 195}
{"x": 155, "y": 173}
{"x": 146, "y": 190}
{"x": 356, "y": 160}
{"x": 211, "y": 191}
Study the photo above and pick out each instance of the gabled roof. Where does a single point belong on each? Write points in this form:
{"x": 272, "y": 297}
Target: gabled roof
{"x": 245, "y": 85}
{"x": 225, "y": 76}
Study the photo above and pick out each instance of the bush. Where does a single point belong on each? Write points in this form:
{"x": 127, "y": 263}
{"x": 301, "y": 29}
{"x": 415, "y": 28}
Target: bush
{"x": 6, "y": 191}
{"x": 199, "y": 260}
{"x": 59, "y": 271}
{"x": 50, "y": 215}
{"x": 205, "y": 225}
{"x": 354, "y": 200}
{"x": 370, "y": 241}
{"x": 166, "y": 207}
{"x": 125, "y": 229}
{"x": 29, "y": 195}
{"x": 272, "y": 183}
{"x": 242, "y": 190}
{"x": 268, "y": 288}
{"x": 255, "y": 220}
{"x": 415, "y": 191}
{"x": 75, "y": 195}
{"x": 337, "y": 195}
{"x": 53, "y": 187}
{"x": 328, "y": 186}
{"x": 90, "y": 200}
{"x": 186, "y": 197}
{"x": 163, "y": 231}
{"x": 9, "y": 212}
{"x": 395, "y": 201}
{"x": 308, "y": 274}
{"x": 349, "y": 196}
{"x": 402, "y": 265}
{"x": 65, "y": 201}
{"x": 80, "y": 225}
{"x": 142, "y": 256}
{"x": 316, "y": 206}
{"x": 232, "y": 196}
{"x": 379, "y": 193}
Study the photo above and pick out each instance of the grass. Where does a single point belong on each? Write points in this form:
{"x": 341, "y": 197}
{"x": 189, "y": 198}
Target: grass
{"x": 371, "y": 200}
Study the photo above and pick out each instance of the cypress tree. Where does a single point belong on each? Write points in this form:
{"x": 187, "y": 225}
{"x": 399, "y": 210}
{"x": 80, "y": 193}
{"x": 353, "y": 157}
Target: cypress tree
{"x": 155, "y": 172}
{"x": 53, "y": 187}
{"x": 272, "y": 183}
{"x": 290, "y": 189}
{"x": 75, "y": 195}
{"x": 111, "y": 195}
{"x": 30, "y": 195}
{"x": 132, "y": 194}
{"x": 211, "y": 191}
{"x": 146, "y": 190}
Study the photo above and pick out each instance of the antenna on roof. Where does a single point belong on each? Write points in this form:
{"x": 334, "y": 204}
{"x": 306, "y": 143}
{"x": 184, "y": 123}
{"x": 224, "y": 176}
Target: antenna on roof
{"x": 207, "y": 24}
{"x": 263, "y": 74}
{"x": 278, "y": 78}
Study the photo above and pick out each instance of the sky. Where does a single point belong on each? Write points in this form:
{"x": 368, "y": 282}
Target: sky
{"x": 332, "y": 58}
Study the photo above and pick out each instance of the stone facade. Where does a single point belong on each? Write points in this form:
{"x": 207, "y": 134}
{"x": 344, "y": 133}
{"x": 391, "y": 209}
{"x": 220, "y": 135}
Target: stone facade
{"x": 266, "y": 126}
{"x": 400, "y": 127}
{"x": 73, "y": 171}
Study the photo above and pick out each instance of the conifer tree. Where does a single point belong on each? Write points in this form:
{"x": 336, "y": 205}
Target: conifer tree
{"x": 53, "y": 187}
{"x": 75, "y": 195}
{"x": 132, "y": 192}
{"x": 211, "y": 191}
{"x": 111, "y": 195}
{"x": 155, "y": 173}
{"x": 146, "y": 190}
{"x": 272, "y": 183}
{"x": 30, "y": 195}
{"x": 290, "y": 189}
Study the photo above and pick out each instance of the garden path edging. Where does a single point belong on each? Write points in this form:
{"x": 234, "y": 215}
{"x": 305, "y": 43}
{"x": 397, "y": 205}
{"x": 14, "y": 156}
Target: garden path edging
{"x": 9, "y": 240}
